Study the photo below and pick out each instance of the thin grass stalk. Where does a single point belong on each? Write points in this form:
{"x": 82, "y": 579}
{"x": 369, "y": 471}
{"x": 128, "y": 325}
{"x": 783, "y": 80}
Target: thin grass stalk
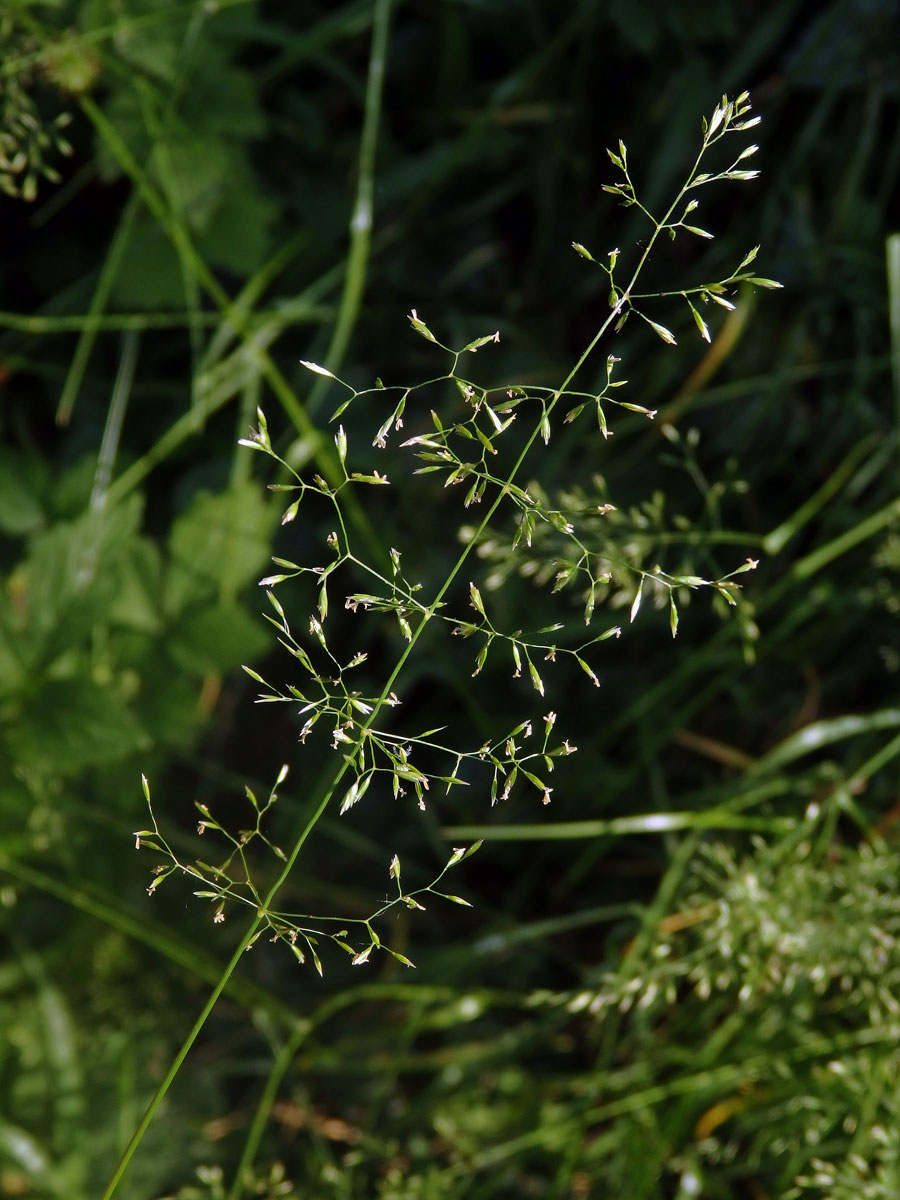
{"x": 330, "y": 789}
{"x": 322, "y": 451}
{"x": 361, "y": 221}
{"x": 93, "y": 320}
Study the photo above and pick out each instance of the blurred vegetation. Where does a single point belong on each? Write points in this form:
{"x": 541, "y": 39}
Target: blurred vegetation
{"x": 680, "y": 978}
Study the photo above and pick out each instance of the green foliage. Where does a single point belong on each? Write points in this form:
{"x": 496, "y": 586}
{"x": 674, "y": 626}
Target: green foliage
{"x": 101, "y": 630}
{"x": 30, "y": 141}
{"x": 71, "y": 1087}
{"x": 368, "y": 750}
{"x": 195, "y": 143}
{"x": 458, "y": 449}
{"x": 722, "y": 825}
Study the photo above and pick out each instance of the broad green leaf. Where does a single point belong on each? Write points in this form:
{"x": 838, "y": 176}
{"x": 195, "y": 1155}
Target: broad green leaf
{"x": 67, "y": 725}
{"x": 217, "y": 638}
{"x": 23, "y": 480}
{"x": 222, "y": 539}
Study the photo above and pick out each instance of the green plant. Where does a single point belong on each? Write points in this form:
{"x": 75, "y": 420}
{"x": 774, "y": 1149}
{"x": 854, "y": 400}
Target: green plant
{"x": 30, "y": 139}
{"x": 476, "y": 439}
{"x": 779, "y": 443}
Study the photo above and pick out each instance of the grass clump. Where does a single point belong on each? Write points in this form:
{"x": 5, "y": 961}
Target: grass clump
{"x": 478, "y": 437}
{"x": 624, "y": 1003}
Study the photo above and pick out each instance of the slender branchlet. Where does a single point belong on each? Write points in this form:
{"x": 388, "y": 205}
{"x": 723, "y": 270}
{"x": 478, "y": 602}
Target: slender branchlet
{"x": 478, "y": 443}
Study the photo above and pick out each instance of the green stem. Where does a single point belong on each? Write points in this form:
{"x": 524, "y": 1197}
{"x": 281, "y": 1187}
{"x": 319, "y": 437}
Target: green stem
{"x": 653, "y": 823}
{"x": 264, "y": 1108}
{"x": 109, "y": 911}
{"x": 175, "y": 1066}
{"x": 361, "y": 220}
{"x": 322, "y": 451}
{"x": 379, "y": 31}
{"x": 92, "y": 322}
{"x": 892, "y": 266}
{"x": 186, "y": 252}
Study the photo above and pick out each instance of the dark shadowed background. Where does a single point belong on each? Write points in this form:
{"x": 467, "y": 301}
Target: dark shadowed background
{"x": 699, "y": 1006}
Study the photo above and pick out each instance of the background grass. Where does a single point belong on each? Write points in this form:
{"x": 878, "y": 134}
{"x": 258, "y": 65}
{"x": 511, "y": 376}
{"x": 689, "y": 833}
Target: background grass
{"x": 705, "y": 1009}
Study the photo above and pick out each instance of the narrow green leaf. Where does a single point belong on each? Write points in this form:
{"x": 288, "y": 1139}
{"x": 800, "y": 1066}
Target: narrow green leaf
{"x": 589, "y": 606}
{"x": 638, "y": 408}
{"x": 720, "y": 300}
{"x": 587, "y": 670}
{"x": 273, "y": 600}
{"x": 376, "y": 478}
{"x": 716, "y": 119}
{"x": 535, "y": 678}
{"x": 481, "y": 658}
{"x": 311, "y": 366}
{"x": 660, "y": 330}
{"x": 421, "y": 327}
{"x": 534, "y": 780}
{"x": 748, "y": 258}
{"x": 485, "y": 440}
{"x": 700, "y": 323}
{"x": 350, "y": 796}
{"x": 636, "y": 602}
{"x": 482, "y": 341}
{"x": 355, "y": 792}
